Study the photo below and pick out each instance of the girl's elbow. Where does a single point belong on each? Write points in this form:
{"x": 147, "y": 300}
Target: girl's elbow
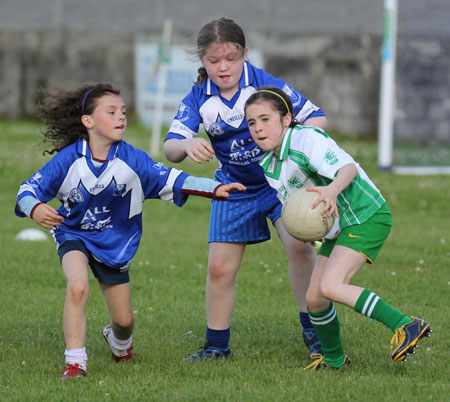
{"x": 172, "y": 152}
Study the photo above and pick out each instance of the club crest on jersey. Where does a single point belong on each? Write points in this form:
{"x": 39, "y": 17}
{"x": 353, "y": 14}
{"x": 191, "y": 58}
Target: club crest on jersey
{"x": 214, "y": 130}
{"x": 330, "y": 157}
{"x": 36, "y": 180}
{"x": 162, "y": 169}
{"x": 119, "y": 189}
{"x": 183, "y": 112}
{"x": 295, "y": 182}
{"x": 76, "y": 195}
{"x": 292, "y": 94}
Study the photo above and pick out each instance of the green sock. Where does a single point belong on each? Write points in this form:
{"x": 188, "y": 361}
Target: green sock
{"x": 373, "y": 306}
{"x": 326, "y": 325}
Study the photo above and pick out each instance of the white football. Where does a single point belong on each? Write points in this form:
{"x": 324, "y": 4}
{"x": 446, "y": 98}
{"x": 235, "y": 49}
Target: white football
{"x": 303, "y": 222}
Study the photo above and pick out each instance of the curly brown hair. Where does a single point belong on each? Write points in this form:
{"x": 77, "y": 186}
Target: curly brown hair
{"x": 61, "y": 111}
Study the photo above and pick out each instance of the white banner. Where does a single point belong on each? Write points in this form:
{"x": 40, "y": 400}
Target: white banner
{"x": 181, "y": 74}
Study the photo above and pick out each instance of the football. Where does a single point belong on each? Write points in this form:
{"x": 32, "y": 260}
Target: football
{"x": 303, "y": 222}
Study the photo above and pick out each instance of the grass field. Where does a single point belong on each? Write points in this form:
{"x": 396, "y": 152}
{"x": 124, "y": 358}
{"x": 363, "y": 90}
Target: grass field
{"x": 168, "y": 283}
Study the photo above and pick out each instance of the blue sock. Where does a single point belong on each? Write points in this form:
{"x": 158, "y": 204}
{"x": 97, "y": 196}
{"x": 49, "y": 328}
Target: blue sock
{"x": 218, "y": 338}
{"x": 305, "y": 321}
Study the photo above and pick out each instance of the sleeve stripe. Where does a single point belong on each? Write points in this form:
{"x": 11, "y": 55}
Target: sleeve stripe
{"x": 166, "y": 193}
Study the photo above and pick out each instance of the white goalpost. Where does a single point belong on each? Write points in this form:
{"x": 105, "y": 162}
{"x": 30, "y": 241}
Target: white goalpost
{"x": 389, "y": 106}
{"x": 161, "y": 70}
{"x": 387, "y": 86}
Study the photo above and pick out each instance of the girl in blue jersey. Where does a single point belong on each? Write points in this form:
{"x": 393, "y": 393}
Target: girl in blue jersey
{"x": 217, "y": 100}
{"x": 305, "y": 157}
{"x": 101, "y": 182}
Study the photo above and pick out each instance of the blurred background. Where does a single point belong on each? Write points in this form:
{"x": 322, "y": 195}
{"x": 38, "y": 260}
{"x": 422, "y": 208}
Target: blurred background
{"x": 330, "y": 50}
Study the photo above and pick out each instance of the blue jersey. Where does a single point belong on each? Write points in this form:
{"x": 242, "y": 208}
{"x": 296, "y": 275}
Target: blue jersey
{"x": 103, "y": 206}
{"x": 224, "y": 122}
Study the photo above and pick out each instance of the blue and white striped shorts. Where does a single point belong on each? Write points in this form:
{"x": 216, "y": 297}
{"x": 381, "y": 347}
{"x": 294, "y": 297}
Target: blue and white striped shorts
{"x": 243, "y": 217}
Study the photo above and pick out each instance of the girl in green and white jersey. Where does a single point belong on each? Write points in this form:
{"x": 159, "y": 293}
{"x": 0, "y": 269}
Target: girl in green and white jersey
{"x": 300, "y": 156}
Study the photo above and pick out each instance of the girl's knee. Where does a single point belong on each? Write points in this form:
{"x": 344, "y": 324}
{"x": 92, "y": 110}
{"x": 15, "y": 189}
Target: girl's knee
{"x": 314, "y": 300}
{"x": 328, "y": 289}
{"x": 299, "y": 250}
{"x": 218, "y": 270}
{"x": 78, "y": 292}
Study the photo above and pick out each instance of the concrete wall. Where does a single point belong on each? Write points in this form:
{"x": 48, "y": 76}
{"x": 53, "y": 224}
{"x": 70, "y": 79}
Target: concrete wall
{"x": 329, "y": 50}
{"x": 335, "y": 74}
{"x": 30, "y": 60}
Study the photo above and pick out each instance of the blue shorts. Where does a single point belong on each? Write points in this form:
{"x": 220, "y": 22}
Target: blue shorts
{"x": 104, "y": 274}
{"x": 243, "y": 217}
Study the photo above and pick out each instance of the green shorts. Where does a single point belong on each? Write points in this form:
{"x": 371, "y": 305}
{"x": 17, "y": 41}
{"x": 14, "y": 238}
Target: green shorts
{"x": 367, "y": 238}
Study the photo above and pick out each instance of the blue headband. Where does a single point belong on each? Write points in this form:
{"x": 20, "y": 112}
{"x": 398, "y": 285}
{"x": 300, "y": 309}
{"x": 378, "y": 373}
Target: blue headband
{"x": 84, "y": 100}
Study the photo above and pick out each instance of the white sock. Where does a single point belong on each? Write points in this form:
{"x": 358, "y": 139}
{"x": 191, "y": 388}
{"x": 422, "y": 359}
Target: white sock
{"x": 77, "y": 356}
{"x": 118, "y": 346}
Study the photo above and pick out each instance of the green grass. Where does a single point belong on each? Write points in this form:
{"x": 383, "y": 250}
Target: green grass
{"x": 409, "y": 153}
{"x": 168, "y": 288}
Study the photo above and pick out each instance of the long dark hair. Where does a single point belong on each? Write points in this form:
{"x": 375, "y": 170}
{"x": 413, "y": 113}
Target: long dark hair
{"x": 277, "y": 97}
{"x": 222, "y": 30}
{"x": 61, "y": 111}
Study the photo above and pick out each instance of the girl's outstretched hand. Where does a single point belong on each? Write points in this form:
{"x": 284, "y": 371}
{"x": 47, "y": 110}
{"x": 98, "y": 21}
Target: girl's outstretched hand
{"x": 328, "y": 195}
{"x": 47, "y": 216}
{"x": 223, "y": 191}
{"x": 198, "y": 149}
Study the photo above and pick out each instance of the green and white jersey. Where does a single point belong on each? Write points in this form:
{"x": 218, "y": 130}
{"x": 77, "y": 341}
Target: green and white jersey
{"x": 308, "y": 158}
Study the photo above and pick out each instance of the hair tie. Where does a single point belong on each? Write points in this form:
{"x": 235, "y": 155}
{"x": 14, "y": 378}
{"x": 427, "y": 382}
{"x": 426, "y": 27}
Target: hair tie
{"x": 84, "y": 99}
{"x": 274, "y": 93}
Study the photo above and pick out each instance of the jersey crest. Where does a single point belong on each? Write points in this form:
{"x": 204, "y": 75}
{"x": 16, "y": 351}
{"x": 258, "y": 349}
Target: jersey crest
{"x": 119, "y": 189}
{"x": 115, "y": 175}
{"x": 224, "y": 121}
{"x": 76, "y": 195}
{"x": 215, "y": 129}
{"x": 295, "y": 98}
{"x": 36, "y": 180}
{"x": 331, "y": 157}
{"x": 295, "y": 182}
{"x": 183, "y": 112}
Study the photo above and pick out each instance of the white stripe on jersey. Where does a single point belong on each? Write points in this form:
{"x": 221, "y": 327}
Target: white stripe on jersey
{"x": 85, "y": 145}
{"x": 166, "y": 193}
{"x": 179, "y": 128}
{"x": 247, "y": 83}
{"x": 26, "y": 187}
{"x": 341, "y": 195}
{"x": 368, "y": 194}
{"x": 305, "y": 111}
{"x": 116, "y": 170}
{"x": 214, "y": 108}
{"x": 124, "y": 248}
